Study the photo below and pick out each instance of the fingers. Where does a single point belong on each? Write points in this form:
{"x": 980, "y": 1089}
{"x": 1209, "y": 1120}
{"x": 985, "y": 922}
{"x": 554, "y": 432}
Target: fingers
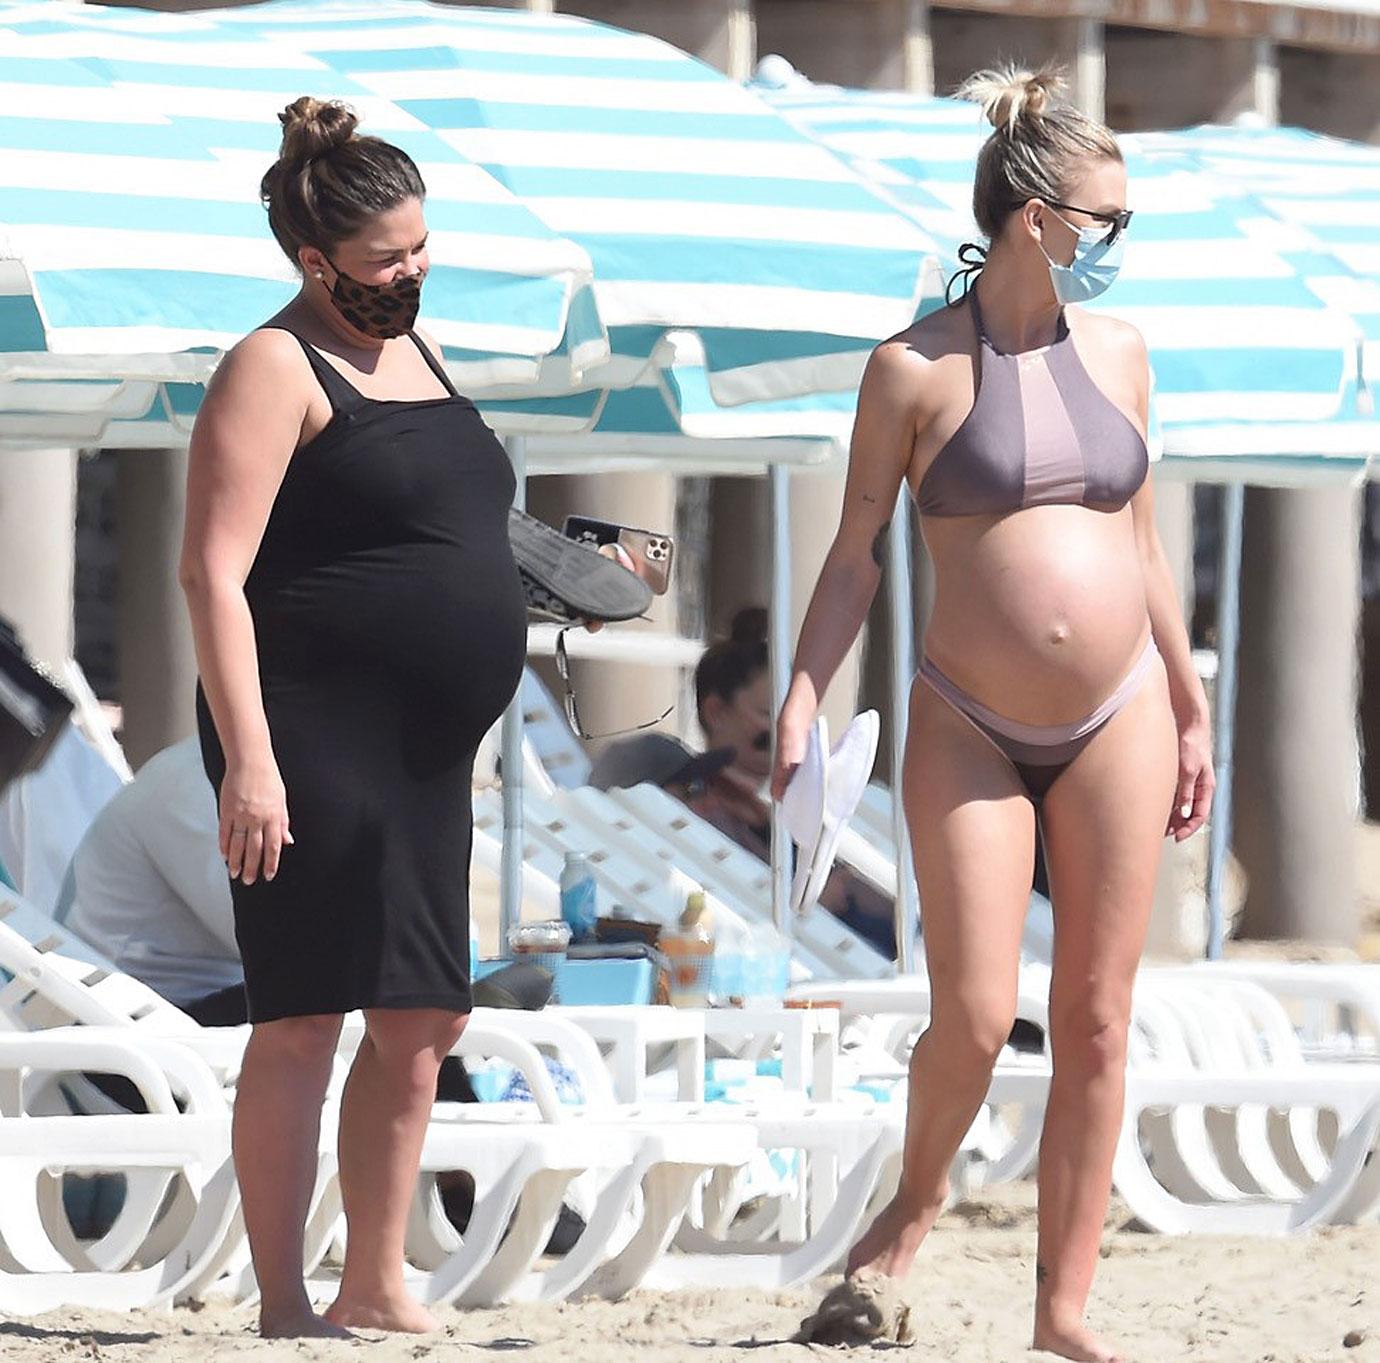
{"x": 1202, "y": 803}
{"x": 1192, "y": 804}
{"x": 234, "y": 854}
{"x": 274, "y": 836}
{"x": 253, "y": 854}
{"x": 251, "y": 850}
{"x": 594, "y": 626}
{"x": 781, "y": 778}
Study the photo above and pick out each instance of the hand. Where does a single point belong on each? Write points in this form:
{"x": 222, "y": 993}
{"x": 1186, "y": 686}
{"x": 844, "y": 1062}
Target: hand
{"x": 253, "y": 820}
{"x": 1193, "y": 793}
{"x": 624, "y": 560}
{"x": 792, "y": 736}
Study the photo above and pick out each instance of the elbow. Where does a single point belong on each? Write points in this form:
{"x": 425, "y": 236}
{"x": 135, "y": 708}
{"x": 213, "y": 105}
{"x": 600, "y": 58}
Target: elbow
{"x": 199, "y": 580}
{"x": 191, "y": 577}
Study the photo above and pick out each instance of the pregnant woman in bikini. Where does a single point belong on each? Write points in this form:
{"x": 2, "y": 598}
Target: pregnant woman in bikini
{"x": 1057, "y": 696}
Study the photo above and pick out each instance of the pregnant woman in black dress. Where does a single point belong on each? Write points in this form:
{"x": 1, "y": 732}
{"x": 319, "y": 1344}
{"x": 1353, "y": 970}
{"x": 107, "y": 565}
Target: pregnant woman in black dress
{"x": 359, "y": 625}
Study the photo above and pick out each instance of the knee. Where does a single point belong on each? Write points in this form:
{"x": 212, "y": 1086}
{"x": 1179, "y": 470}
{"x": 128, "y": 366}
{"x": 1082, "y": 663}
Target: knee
{"x": 969, "y": 1033}
{"x": 306, "y": 1041}
{"x": 1089, "y": 1033}
{"x": 417, "y": 1041}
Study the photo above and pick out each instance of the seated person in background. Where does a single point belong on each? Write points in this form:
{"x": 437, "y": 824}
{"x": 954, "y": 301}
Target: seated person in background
{"x": 150, "y": 890}
{"x": 723, "y": 785}
{"x": 658, "y": 760}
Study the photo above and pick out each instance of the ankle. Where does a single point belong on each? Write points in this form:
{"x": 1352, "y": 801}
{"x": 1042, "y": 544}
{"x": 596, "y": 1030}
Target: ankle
{"x": 1057, "y": 1315}
{"x": 923, "y": 1203}
{"x": 372, "y": 1293}
{"x": 278, "y": 1314}
{"x": 289, "y": 1299}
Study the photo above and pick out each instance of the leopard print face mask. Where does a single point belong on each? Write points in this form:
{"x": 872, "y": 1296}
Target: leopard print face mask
{"x": 379, "y": 310}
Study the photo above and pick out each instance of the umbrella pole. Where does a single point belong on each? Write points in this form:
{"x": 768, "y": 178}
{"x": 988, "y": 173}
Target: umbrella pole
{"x": 902, "y": 670}
{"x": 779, "y": 637}
{"x": 1224, "y": 735}
{"x": 510, "y": 877}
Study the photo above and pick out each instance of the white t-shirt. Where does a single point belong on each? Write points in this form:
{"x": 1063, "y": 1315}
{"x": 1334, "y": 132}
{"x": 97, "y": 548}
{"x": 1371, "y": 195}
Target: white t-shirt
{"x": 151, "y": 890}
{"x": 45, "y": 814}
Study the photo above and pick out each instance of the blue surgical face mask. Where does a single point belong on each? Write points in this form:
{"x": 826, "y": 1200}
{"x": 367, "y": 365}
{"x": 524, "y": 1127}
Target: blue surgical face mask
{"x": 1095, "y": 264}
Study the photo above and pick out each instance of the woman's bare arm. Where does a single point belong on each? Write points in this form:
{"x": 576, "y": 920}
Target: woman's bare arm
{"x": 244, "y": 436}
{"x": 880, "y": 453}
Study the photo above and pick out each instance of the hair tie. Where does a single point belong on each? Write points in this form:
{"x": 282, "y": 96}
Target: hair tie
{"x": 974, "y": 257}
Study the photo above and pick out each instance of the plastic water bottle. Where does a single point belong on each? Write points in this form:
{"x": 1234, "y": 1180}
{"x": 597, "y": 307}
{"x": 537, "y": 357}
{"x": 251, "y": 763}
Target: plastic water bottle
{"x": 579, "y": 896}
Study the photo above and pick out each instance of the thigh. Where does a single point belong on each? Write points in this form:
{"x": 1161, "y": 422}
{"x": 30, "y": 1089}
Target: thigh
{"x": 972, "y": 832}
{"x": 1103, "y": 824}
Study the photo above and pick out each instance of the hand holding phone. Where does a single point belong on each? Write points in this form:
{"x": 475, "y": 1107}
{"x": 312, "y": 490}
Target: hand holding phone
{"x": 651, "y": 553}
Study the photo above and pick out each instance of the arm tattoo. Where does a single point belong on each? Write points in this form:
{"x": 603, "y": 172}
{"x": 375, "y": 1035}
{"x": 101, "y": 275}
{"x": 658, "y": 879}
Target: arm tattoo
{"x": 879, "y": 545}
{"x": 867, "y": 497}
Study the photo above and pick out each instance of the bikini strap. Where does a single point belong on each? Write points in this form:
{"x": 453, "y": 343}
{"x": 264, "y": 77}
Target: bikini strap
{"x": 1061, "y": 329}
{"x": 433, "y": 363}
{"x": 341, "y": 394}
{"x": 977, "y": 315}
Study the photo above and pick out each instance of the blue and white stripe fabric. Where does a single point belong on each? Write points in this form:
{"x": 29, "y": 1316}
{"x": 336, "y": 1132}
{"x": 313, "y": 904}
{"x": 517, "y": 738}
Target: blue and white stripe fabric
{"x": 134, "y": 245}
{"x": 599, "y": 202}
{"x": 1322, "y": 200}
{"x": 1242, "y": 347}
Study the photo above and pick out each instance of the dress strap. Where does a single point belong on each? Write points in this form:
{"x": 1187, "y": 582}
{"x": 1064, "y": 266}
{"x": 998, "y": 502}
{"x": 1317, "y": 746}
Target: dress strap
{"x": 435, "y": 366}
{"x": 342, "y": 394}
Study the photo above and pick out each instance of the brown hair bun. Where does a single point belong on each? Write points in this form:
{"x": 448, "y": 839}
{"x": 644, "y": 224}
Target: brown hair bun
{"x": 329, "y": 181}
{"x": 312, "y": 127}
{"x": 749, "y": 626}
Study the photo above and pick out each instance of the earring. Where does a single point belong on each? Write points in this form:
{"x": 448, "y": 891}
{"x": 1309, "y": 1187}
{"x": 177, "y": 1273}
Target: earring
{"x": 320, "y": 274}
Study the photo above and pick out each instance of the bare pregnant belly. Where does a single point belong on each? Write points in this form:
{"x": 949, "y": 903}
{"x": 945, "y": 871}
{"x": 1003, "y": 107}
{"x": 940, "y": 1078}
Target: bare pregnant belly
{"x": 1038, "y": 614}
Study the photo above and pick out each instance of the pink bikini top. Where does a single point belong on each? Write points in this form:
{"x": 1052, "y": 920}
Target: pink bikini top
{"x": 1040, "y": 433}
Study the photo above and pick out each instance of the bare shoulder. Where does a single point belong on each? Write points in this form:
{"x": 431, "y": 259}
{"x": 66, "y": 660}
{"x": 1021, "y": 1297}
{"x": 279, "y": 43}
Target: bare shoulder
{"x": 430, "y": 342}
{"x": 909, "y": 364}
{"x": 1117, "y": 337}
{"x": 265, "y": 354}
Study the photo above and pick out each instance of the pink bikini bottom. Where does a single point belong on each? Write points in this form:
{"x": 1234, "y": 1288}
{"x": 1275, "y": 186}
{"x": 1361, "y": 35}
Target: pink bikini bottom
{"x": 1040, "y": 753}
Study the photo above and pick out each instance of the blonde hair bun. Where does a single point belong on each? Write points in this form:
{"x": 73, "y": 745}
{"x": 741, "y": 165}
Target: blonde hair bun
{"x": 312, "y": 127}
{"x": 1010, "y": 95}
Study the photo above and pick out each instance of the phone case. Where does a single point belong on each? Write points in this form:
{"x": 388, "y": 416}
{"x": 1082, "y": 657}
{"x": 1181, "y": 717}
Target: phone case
{"x": 650, "y": 552}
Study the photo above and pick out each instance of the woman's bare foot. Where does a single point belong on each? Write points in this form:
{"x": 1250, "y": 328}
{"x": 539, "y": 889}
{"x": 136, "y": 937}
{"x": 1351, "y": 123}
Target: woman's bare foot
{"x": 400, "y": 1313}
{"x": 1076, "y": 1342}
{"x": 891, "y": 1242}
{"x": 299, "y": 1324}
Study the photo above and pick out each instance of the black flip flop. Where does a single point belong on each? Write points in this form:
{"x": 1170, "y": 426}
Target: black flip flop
{"x": 567, "y": 581}
{"x": 520, "y": 984}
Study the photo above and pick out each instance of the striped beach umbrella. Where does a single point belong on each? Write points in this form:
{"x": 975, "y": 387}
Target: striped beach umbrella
{"x": 598, "y": 201}
{"x": 1249, "y": 360}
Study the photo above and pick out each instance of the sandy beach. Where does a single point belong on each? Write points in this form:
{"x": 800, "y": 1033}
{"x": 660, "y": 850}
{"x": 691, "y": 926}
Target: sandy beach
{"x": 1210, "y": 1300}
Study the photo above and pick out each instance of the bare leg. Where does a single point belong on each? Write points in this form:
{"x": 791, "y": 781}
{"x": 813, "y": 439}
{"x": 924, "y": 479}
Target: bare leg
{"x": 973, "y": 833}
{"x": 383, "y": 1119}
{"x": 277, "y": 1124}
{"x": 1104, "y": 821}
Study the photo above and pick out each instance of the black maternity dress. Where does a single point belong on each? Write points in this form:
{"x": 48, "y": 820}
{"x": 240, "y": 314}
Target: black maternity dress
{"x": 391, "y": 632}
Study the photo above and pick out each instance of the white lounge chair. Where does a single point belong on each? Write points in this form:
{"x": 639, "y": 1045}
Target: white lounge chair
{"x": 137, "y": 1262}
{"x": 58, "y": 981}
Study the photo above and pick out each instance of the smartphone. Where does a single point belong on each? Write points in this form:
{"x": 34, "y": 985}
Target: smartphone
{"x": 650, "y": 552}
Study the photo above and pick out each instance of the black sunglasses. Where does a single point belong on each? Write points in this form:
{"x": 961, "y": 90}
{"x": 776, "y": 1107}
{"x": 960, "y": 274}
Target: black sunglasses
{"x": 572, "y": 714}
{"x": 1117, "y": 222}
